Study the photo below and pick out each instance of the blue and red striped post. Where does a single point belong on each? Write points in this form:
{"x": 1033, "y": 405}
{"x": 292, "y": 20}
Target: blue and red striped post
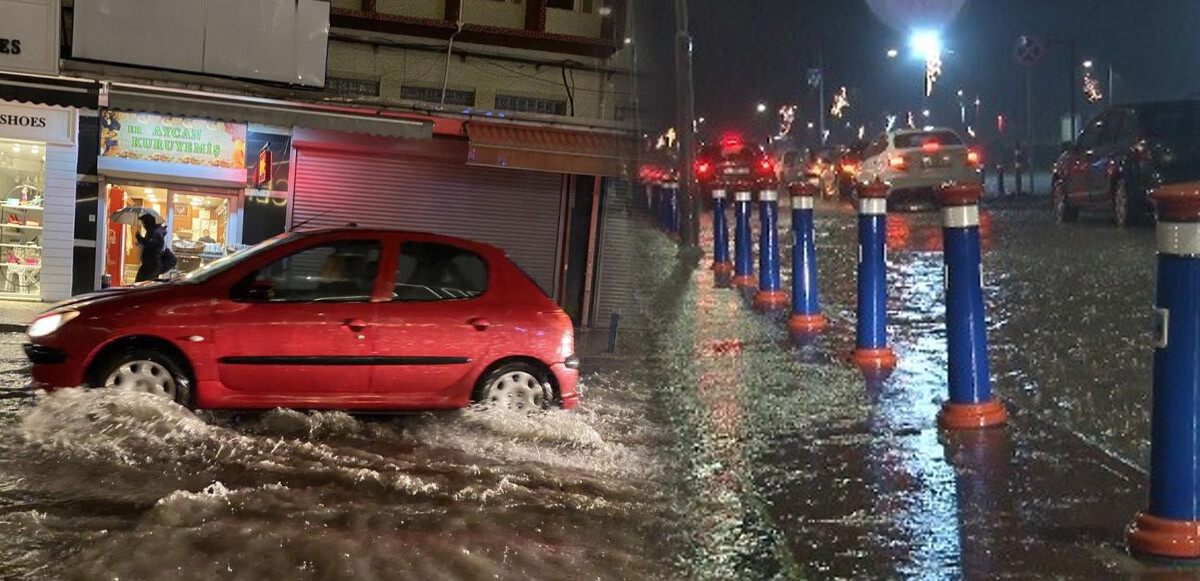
{"x": 871, "y": 349}
{"x": 806, "y": 316}
{"x": 971, "y": 404}
{"x": 721, "y": 263}
{"x": 770, "y": 294}
{"x": 743, "y": 246}
{"x": 1170, "y": 527}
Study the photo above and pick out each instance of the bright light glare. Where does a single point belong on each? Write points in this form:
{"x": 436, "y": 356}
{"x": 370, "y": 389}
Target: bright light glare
{"x": 892, "y": 53}
{"x": 761, "y": 108}
{"x": 1088, "y": 64}
{"x": 48, "y": 324}
{"x": 927, "y": 45}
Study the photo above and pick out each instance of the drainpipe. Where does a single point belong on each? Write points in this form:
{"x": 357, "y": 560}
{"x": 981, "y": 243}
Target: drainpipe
{"x": 458, "y": 26}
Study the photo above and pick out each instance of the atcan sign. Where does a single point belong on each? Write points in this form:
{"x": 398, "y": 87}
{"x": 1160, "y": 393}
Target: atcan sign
{"x": 153, "y": 137}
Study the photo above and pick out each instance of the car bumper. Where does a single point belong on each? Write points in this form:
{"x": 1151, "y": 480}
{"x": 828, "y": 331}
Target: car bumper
{"x": 53, "y": 368}
{"x": 931, "y": 179}
{"x": 567, "y": 380}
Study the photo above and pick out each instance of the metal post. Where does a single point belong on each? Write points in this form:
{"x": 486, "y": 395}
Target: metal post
{"x": 673, "y": 208}
{"x": 1074, "y": 96}
{"x": 971, "y": 404}
{"x": 770, "y": 295}
{"x": 806, "y": 316}
{"x": 743, "y": 267}
{"x": 872, "y": 351}
{"x": 684, "y": 125}
{"x": 721, "y": 263}
{"x": 1170, "y": 527}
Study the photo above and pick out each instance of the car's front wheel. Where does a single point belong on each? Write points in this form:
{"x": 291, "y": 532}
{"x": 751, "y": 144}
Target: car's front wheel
{"x": 1063, "y": 210}
{"x": 146, "y": 370}
{"x": 515, "y": 386}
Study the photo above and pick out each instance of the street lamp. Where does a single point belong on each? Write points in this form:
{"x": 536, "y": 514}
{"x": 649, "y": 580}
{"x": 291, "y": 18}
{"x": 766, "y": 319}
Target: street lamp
{"x": 761, "y": 108}
{"x": 927, "y": 45}
{"x": 892, "y": 53}
{"x": 1088, "y": 65}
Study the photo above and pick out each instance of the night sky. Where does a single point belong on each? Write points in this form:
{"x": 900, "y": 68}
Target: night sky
{"x": 759, "y": 50}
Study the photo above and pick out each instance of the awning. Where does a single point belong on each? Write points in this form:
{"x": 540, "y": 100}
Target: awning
{"x": 550, "y": 149}
{"x": 267, "y": 111}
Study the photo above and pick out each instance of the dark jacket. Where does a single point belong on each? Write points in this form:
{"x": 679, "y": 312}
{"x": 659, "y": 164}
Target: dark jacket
{"x": 154, "y": 246}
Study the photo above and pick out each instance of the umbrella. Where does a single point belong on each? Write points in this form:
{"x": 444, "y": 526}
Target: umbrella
{"x": 130, "y": 215}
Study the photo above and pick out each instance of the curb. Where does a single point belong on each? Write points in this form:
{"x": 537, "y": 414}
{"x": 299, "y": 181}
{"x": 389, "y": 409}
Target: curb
{"x": 12, "y": 328}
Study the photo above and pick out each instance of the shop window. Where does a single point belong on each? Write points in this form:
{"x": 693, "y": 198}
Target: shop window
{"x": 22, "y": 191}
{"x": 428, "y": 271}
{"x": 352, "y": 87}
{"x": 531, "y": 105}
{"x": 434, "y": 95}
{"x": 335, "y": 272}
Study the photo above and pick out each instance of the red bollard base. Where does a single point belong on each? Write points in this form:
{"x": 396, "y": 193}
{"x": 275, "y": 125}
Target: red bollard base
{"x": 743, "y": 281}
{"x": 722, "y": 268}
{"x": 1152, "y": 536}
{"x": 770, "y": 299}
{"x": 957, "y": 416}
{"x": 800, "y": 324}
{"x": 874, "y": 359}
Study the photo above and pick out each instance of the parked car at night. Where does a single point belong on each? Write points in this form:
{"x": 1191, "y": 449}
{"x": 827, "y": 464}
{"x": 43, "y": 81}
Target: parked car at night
{"x": 337, "y": 318}
{"x": 1122, "y": 155}
{"x": 916, "y": 163}
{"x": 735, "y": 164}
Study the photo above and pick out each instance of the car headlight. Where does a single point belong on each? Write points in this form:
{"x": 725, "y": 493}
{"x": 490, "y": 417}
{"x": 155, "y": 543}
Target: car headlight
{"x": 49, "y": 323}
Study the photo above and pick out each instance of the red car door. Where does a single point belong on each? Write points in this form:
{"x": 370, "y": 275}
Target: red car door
{"x": 301, "y": 325}
{"x": 434, "y": 335}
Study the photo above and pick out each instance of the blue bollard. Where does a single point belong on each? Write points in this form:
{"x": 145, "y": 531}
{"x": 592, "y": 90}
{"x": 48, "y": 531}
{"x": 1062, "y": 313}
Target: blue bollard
{"x": 806, "y": 316}
{"x": 871, "y": 349}
{"x": 673, "y": 207}
{"x": 769, "y": 295}
{"x": 1171, "y": 525}
{"x": 743, "y": 267}
{"x": 971, "y": 404}
{"x": 721, "y": 263}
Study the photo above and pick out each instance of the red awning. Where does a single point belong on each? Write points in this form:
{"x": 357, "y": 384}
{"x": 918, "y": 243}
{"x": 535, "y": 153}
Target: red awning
{"x": 550, "y": 149}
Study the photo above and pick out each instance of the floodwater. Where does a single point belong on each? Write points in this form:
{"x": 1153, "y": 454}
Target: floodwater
{"x": 715, "y": 448}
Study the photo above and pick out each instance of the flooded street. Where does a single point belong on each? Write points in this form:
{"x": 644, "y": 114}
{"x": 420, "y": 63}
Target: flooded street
{"x": 715, "y": 448}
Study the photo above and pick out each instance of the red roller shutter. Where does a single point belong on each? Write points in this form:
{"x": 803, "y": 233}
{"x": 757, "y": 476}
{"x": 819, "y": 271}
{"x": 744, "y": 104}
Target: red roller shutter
{"x": 519, "y": 211}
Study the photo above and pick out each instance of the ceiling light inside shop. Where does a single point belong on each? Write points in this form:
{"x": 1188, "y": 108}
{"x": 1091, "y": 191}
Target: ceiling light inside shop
{"x": 148, "y": 191}
{"x": 35, "y": 150}
{"x": 16, "y": 148}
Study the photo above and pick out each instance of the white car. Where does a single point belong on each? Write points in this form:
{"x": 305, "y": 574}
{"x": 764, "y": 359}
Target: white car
{"x": 916, "y": 162}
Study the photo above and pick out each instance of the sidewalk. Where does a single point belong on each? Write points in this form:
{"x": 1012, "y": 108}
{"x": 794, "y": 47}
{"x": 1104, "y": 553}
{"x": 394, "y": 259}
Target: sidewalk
{"x": 16, "y": 315}
{"x": 805, "y": 470}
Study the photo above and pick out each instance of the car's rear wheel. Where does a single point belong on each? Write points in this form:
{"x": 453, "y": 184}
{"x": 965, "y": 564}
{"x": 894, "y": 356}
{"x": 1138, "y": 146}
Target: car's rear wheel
{"x": 146, "y": 370}
{"x": 1126, "y": 210}
{"x": 1063, "y": 210}
{"x": 515, "y": 386}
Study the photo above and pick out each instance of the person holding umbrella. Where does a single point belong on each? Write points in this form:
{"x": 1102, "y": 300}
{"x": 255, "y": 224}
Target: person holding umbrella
{"x": 157, "y": 259}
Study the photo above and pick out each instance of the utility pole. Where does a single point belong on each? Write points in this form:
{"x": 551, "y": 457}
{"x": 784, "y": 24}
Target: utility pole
{"x": 821, "y": 89}
{"x": 1074, "y": 92}
{"x": 686, "y": 127}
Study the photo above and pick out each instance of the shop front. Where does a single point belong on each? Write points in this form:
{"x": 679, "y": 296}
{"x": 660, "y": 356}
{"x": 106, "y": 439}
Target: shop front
{"x": 38, "y": 151}
{"x": 190, "y": 172}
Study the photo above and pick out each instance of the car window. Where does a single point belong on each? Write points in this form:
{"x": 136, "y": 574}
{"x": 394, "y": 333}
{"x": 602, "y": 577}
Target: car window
{"x": 919, "y": 139}
{"x": 1175, "y": 125}
{"x": 429, "y": 271}
{"x": 342, "y": 271}
{"x": 1092, "y": 134}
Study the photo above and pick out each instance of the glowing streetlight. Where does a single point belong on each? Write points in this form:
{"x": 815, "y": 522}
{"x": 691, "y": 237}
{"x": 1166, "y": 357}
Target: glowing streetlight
{"x": 927, "y": 45}
{"x": 892, "y": 53}
{"x": 761, "y": 108}
{"x": 1088, "y": 64}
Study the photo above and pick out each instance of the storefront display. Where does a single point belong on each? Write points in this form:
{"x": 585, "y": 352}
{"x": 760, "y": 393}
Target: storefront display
{"x": 198, "y": 225}
{"x": 37, "y": 200}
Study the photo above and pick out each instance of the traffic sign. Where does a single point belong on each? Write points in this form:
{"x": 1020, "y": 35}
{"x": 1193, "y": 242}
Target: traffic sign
{"x": 1029, "y": 50}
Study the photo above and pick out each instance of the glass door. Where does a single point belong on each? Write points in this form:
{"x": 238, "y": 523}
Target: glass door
{"x": 199, "y": 226}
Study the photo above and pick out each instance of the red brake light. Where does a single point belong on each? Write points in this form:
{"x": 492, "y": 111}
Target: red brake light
{"x": 930, "y": 146}
{"x": 973, "y": 158}
{"x": 898, "y": 163}
{"x": 703, "y": 168}
{"x": 765, "y": 166}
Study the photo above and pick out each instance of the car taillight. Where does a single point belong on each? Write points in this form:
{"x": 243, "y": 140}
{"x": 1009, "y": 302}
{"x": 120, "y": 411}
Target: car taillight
{"x": 849, "y": 168}
{"x": 931, "y": 147}
{"x": 973, "y": 158}
{"x": 703, "y": 168}
{"x": 898, "y": 163}
{"x": 765, "y": 166}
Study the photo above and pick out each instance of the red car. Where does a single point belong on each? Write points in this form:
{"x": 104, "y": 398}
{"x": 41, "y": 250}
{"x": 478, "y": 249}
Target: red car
{"x": 343, "y": 318}
{"x": 736, "y": 166}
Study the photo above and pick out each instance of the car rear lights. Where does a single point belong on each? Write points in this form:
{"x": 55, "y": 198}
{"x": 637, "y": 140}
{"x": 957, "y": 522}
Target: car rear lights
{"x": 850, "y": 168}
{"x": 931, "y": 147}
{"x": 973, "y": 158}
{"x": 765, "y": 166}
{"x": 898, "y": 163}
{"x": 703, "y": 169}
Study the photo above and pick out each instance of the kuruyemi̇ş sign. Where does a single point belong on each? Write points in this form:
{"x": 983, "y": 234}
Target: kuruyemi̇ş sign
{"x": 152, "y": 137}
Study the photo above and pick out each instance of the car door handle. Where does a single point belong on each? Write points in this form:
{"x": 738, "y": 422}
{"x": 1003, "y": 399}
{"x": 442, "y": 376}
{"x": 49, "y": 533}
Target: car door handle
{"x": 480, "y": 324}
{"x": 356, "y": 325}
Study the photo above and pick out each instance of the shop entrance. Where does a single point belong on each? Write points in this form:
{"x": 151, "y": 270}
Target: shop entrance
{"x": 22, "y": 191}
{"x": 199, "y": 225}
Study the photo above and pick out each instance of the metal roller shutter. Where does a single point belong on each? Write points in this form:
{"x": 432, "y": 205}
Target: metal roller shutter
{"x": 618, "y": 287}
{"x": 519, "y": 211}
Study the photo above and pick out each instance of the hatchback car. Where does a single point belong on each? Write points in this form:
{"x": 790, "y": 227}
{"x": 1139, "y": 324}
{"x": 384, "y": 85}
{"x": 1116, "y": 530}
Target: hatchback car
{"x": 916, "y": 163}
{"x": 1122, "y": 155}
{"x": 734, "y": 164}
{"x": 341, "y": 319}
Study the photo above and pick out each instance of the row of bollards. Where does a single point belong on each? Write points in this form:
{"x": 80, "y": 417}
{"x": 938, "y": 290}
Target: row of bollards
{"x": 971, "y": 404}
{"x": 1170, "y": 527}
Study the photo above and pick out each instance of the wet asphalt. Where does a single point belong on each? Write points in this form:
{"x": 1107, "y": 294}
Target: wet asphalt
{"x": 713, "y": 448}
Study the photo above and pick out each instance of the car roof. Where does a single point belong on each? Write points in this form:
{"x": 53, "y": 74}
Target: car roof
{"x": 908, "y": 131}
{"x": 426, "y": 236}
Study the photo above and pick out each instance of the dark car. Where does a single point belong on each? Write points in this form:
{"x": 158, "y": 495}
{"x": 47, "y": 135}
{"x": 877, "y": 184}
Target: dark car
{"x": 734, "y": 164}
{"x": 1122, "y": 155}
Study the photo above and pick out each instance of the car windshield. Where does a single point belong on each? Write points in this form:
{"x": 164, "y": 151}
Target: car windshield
{"x": 1172, "y": 124}
{"x": 923, "y": 138}
{"x": 220, "y": 265}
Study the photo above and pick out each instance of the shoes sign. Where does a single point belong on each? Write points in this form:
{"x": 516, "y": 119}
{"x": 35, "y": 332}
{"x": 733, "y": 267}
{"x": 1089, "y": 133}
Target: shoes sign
{"x": 29, "y": 36}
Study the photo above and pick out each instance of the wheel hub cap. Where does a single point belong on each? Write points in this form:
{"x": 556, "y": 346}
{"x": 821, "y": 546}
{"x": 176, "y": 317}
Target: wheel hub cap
{"x": 518, "y": 390}
{"x": 144, "y": 376}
